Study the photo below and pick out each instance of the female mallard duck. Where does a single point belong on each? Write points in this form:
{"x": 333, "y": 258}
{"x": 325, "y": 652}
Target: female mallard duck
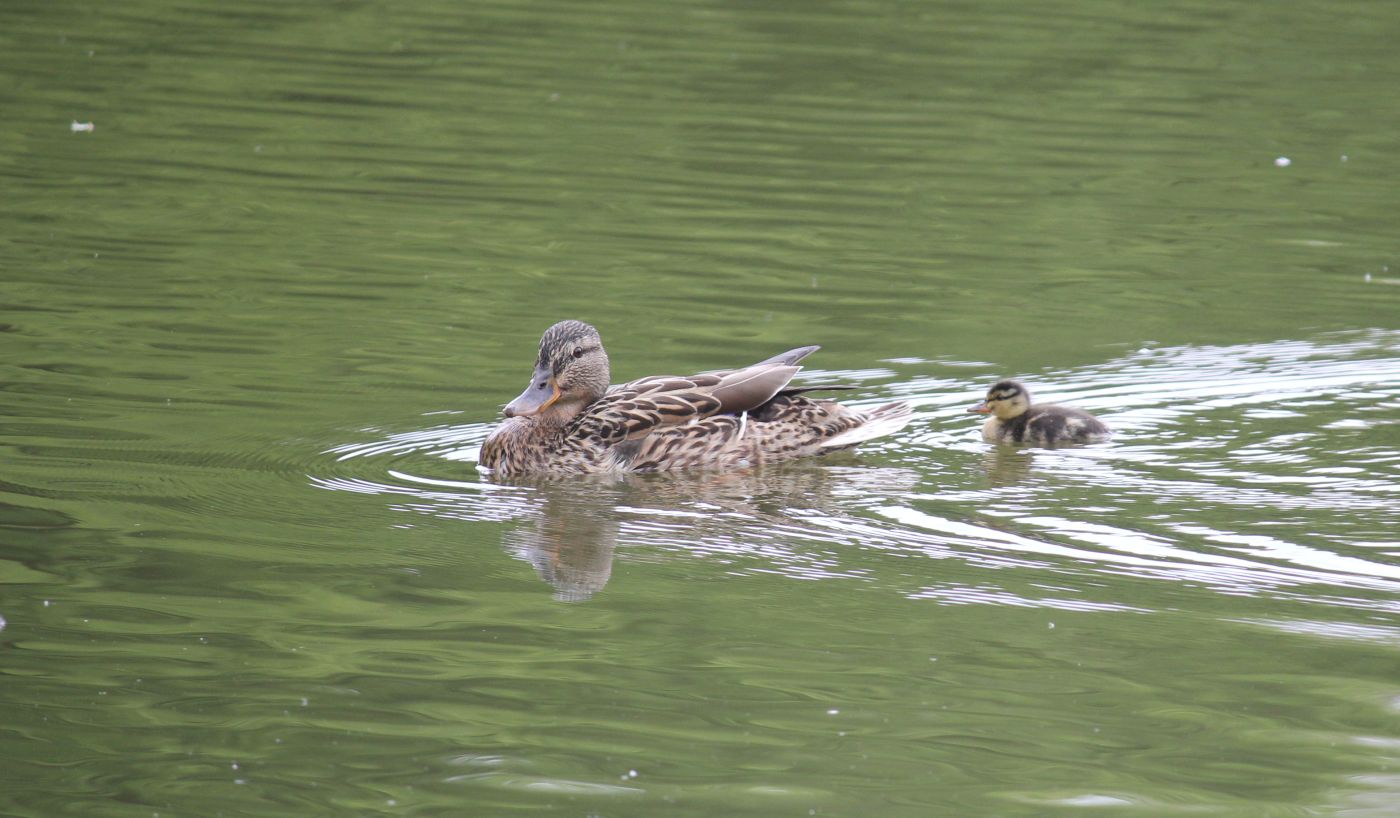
{"x": 568, "y": 421}
{"x": 1015, "y": 420}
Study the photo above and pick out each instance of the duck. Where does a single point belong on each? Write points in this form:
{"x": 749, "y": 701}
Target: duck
{"x": 1014, "y": 419}
{"x": 569, "y": 421}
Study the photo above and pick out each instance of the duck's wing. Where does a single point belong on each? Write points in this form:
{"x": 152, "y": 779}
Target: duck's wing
{"x": 634, "y": 409}
{"x": 789, "y": 358}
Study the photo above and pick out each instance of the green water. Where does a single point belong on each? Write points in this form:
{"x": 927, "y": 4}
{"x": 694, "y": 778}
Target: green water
{"x": 256, "y": 321}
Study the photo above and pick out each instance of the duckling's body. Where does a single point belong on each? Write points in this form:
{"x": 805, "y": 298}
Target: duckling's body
{"x": 570, "y": 422}
{"x": 1014, "y": 419}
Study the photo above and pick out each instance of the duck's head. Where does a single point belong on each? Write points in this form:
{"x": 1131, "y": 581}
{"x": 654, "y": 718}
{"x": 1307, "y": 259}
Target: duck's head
{"x": 1006, "y": 399}
{"x": 570, "y": 373}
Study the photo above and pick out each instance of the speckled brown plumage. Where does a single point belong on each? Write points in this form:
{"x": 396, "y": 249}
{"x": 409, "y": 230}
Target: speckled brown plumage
{"x": 569, "y": 422}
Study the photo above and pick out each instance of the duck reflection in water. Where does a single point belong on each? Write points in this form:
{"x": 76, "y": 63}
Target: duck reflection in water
{"x": 572, "y": 540}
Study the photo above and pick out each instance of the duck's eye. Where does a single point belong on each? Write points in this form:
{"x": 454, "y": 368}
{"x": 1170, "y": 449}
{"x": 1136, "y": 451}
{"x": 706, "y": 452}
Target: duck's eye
{"x": 578, "y": 352}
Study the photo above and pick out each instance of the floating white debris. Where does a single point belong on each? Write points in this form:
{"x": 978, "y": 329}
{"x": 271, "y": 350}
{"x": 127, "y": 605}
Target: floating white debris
{"x": 82, "y": 127}
{"x": 1282, "y": 162}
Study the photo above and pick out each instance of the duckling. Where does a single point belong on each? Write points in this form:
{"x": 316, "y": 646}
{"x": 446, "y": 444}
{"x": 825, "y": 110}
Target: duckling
{"x": 1015, "y": 420}
{"x": 569, "y": 421}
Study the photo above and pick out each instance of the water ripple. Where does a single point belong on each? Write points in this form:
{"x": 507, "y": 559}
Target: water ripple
{"x": 1214, "y": 478}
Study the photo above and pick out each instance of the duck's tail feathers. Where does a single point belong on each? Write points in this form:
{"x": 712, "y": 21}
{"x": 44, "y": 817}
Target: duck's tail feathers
{"x": 878, "y": 422}
{"x": 792, "y": 356}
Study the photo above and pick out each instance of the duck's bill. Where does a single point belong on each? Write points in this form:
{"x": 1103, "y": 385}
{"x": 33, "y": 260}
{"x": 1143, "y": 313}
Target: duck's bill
{"x": 537, "y": 397}
{"x": 981, "y": 408}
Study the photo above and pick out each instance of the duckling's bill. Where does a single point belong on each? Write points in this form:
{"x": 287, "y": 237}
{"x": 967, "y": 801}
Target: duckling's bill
{"x": 982, "y": 408}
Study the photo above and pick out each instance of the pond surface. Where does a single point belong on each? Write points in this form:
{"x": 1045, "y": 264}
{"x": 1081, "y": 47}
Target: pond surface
{"x": 258, "y": 317}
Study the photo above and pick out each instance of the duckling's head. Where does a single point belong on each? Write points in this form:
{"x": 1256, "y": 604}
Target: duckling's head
{"x": 570, "y": 373}
{"x": 1006, "y": 399}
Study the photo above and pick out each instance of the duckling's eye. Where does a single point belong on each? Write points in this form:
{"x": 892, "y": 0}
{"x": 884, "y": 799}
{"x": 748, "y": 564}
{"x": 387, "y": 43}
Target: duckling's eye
{"x": 578, "y": 352}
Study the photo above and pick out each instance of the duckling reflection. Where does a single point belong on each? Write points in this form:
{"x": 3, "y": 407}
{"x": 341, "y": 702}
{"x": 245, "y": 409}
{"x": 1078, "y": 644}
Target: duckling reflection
{"x": 572, "y": 541}
{"x": 1016, "y": 420}
{"x": 1007, "y": 466}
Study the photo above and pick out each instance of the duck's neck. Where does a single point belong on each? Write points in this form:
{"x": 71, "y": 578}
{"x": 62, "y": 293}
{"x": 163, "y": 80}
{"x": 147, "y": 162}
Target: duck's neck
{"x": 524, "y": 444}
{"x": 521, "y": 445}
{"x": 556, "y": 417}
